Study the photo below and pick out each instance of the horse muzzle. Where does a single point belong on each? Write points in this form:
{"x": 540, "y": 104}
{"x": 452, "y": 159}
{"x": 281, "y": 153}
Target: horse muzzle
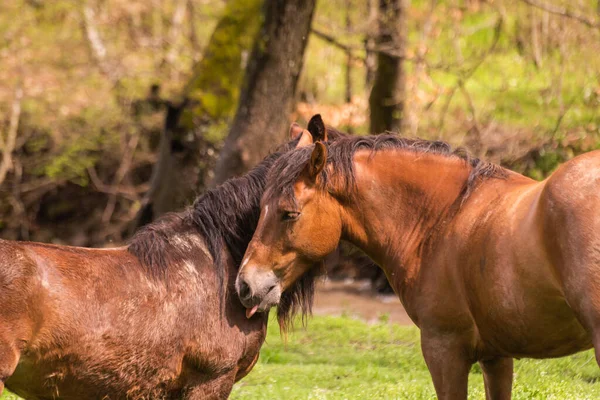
{"x": 258, "y": 290}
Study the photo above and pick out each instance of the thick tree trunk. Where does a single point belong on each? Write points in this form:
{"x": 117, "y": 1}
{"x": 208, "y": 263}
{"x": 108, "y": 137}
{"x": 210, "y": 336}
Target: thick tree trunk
{"x": 208, "y": 101}
{"x": 270, "y": 87}
{"x": 386, "y": 101}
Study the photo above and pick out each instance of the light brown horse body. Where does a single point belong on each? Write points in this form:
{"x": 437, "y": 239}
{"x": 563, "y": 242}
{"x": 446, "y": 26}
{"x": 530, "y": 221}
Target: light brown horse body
{"x": 489, "y": 264}
{"x": 157, "y": 319}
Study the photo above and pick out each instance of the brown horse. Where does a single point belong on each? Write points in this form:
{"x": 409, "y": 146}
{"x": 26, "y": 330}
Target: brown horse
{"x": 157, "y": 319}
{"x": 489, "y": 264}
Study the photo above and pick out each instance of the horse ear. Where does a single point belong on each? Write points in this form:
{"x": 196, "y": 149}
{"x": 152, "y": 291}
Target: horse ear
{"x": 295, "y": 131}
{"x": 306, "y": 139}
{"x": 317, "y": 128}
{"x": 318, "y": 160}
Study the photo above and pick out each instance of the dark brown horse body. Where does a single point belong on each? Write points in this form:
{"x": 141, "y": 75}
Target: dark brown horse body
{"x": 158, "y": 319}
{"x": 489, "y": 264}
{"x": 84, "y": 323}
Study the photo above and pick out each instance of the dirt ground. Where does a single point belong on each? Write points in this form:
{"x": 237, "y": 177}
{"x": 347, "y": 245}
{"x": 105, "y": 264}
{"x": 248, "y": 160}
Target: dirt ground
{"x": 357, "y": 299}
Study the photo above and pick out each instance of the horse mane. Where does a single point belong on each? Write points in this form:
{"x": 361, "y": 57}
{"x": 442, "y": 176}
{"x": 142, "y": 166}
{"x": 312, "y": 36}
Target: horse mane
{"x": 224, "y": 216}
{"x": 156, "y": 246}
{"x": 287, "y": 169}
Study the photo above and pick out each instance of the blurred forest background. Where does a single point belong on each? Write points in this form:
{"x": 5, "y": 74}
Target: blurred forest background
{"x": 113, "y": 112}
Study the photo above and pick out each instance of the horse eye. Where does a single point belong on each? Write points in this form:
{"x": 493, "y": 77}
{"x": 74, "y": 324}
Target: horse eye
{"x": 290, "y": 215}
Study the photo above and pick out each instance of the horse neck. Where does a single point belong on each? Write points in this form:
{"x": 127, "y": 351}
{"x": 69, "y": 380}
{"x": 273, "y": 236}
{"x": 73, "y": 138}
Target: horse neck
{"x": 401, "y": 196}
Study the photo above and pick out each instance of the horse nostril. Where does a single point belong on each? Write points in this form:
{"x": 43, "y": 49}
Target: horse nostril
{"x": 244, "y": 290}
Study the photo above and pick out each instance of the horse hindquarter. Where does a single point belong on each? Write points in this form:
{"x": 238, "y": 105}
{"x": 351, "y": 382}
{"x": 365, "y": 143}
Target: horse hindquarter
{"x": 571, "y": 201}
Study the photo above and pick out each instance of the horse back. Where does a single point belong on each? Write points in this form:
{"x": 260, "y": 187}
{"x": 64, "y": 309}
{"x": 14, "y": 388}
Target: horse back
{"x": 40, "y": 282}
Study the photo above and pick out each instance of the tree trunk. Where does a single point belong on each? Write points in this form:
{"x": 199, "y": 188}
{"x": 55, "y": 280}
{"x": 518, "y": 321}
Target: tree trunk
{"x": 270, "y": 86}
{"x": 207, "y": 103}
{"x": 386, "y": 101}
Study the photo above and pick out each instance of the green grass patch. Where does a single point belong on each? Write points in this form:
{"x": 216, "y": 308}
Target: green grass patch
{"x": 342, "y": 358}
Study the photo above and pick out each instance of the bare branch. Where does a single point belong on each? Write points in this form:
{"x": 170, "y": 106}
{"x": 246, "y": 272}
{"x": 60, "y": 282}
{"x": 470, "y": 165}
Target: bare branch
{"x": 121, "y": 172}
{"x": 332, "y": 40}
{"x": 387, "y": 50}
{"x": 466, "y": 75}
{"x": 19, "y": 210}
{"x": 411, "y": 117}
{"x": 476, "y": 126}
{"x": 92, "y": 33}
{"x": 175, "y": 30}
{"x": 96, "y": 45}
{"x": 564, "y": 12}
{"x": 535, "y": 41}
{"x": 195, "y": 42}
{"x": 129, "y": 192}
{"x": 8, "y": 145}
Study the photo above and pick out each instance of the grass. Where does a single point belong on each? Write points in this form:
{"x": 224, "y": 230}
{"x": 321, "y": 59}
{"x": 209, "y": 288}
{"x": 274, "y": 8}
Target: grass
{"x": 342, "y": 358}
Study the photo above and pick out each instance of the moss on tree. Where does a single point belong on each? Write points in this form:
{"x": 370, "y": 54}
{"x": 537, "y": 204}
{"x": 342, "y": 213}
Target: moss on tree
{"x": 215, "y": 84}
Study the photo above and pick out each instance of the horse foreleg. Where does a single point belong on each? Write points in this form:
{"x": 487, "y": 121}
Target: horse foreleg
{"x": 448, "y": 365}
{"x": 214, "y": 389}
{"x": 497, "y": 376}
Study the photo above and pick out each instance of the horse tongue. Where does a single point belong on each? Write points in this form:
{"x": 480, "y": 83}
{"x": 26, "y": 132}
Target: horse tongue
{"x": 251, "y": 311}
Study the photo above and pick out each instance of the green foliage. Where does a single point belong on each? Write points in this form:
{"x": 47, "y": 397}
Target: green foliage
{"x": 508, "y": 88}
{"x": 82, "y": 146}
{"x": 73, "y": 162}
{"x": 215, "y": 133}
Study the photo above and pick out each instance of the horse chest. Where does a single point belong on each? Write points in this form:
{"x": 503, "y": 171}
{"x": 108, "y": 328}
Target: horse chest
{"x": 226, "y": 346}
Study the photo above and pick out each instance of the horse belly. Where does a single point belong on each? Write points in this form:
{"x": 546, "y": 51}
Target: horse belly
{"x": 517, "y": 301}
{"x": 540, "y": 329}
{"x": 67, "y": 380}
{"x": 96, "y": 374}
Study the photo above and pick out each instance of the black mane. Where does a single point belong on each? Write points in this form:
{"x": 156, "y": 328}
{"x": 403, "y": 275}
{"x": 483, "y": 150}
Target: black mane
{"x": 226, "y": 215}
{"x": 288, "y": 168}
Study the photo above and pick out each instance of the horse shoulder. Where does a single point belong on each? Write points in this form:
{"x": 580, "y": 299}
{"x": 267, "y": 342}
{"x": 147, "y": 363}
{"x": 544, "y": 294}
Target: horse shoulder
{"x": 15, "y": 264}
{"x": 18, "y": 281}
{"x": 221, "y": 341}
